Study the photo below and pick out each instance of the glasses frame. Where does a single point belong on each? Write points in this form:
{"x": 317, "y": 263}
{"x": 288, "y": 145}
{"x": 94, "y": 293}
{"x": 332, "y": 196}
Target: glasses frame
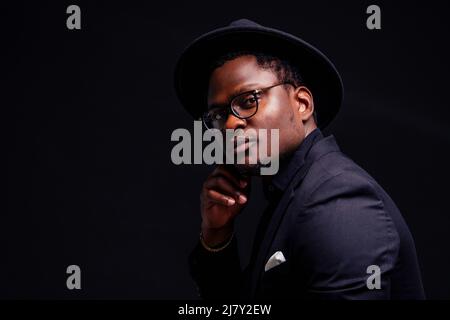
{"x": 254, "y": 93}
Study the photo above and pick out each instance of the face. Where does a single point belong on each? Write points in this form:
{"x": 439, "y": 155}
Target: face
{"x": 285, "y": 108}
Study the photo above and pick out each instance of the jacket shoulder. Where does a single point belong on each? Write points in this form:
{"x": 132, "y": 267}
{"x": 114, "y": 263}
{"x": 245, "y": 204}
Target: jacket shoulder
{"x": 336, "y": 170}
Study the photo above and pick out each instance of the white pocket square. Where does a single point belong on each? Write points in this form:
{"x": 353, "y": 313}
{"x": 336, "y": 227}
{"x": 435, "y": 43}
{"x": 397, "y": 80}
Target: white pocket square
{"x": 276, "y": 259}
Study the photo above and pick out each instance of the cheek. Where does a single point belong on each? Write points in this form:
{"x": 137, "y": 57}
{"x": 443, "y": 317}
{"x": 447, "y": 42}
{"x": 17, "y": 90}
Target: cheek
{"x": 276, "y": 114}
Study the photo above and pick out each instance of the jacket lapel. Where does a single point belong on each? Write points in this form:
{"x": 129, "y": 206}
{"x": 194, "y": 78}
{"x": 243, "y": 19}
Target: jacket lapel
{"x": 320, "y": 148}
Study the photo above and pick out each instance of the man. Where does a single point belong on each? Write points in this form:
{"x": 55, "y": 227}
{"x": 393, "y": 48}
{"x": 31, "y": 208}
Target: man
{"x": 329, "y": 230}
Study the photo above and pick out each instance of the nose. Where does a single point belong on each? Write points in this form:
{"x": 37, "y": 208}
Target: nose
{"x": 234, "y": 123}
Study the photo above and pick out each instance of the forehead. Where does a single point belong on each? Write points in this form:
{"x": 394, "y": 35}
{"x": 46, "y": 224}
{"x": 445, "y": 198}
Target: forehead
{"x": 237, "y": 75}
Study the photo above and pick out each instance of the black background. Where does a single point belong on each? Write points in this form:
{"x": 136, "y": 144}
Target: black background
{"x": 89, "y": 113}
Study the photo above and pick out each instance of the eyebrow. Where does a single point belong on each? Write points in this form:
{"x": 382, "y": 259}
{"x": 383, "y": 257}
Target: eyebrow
{"x": 243, "y": 89}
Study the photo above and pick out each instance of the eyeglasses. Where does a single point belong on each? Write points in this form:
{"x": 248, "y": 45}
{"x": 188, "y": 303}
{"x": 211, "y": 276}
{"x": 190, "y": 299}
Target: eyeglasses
{"x": 243, "y": 106}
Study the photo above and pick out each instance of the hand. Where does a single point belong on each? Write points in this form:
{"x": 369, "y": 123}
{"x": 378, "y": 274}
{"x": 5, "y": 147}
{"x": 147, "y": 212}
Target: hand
{"x": 224, "y": 194}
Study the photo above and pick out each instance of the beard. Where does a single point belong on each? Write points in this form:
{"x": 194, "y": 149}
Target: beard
{"x": 252, "y": 169}
{"x": 253, "y": 155}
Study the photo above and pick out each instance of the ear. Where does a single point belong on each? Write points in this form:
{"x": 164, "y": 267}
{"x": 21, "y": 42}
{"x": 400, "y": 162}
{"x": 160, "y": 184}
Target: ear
{"x": 305, "y": 103}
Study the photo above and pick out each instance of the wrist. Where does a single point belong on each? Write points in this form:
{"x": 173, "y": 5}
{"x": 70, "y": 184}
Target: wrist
{"x": 218, "y": 247}
{"x": 216, "y": 237}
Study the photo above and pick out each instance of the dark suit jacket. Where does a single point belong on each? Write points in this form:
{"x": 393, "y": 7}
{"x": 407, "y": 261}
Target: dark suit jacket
{"x": 332, "y": 222}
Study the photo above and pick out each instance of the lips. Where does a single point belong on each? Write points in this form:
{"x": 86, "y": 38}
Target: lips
{"x": 243, "y": 146}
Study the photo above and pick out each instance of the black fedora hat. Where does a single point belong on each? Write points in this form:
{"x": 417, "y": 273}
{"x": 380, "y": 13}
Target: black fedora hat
{"x": 192, "y": 70}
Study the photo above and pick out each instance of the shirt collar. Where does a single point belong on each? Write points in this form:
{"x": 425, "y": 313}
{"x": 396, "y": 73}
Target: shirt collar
{"x": 290, "y": 166}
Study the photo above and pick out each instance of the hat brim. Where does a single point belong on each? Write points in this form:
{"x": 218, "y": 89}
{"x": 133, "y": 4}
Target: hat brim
{"x": 318, "y": 72}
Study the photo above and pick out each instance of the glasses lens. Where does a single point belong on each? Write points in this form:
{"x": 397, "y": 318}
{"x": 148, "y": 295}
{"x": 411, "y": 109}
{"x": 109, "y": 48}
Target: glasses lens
{"x": 215, "y": 119}
{"x": 245, "y": 105}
